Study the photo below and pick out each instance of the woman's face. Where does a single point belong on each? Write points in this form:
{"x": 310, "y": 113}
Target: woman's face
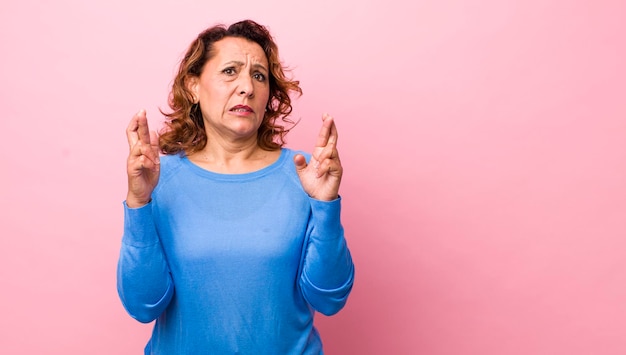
{"x": 233, "y": 89}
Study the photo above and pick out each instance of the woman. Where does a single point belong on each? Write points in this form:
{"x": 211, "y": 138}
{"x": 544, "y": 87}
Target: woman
{"x": 232, "y": 242}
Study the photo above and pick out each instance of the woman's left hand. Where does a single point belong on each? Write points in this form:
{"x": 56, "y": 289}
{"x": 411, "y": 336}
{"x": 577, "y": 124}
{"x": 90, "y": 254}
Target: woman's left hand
{"x": 322, "y": 176}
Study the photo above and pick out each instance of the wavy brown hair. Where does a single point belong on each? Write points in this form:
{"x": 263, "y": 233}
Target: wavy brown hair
{"x": 184, "y": 131}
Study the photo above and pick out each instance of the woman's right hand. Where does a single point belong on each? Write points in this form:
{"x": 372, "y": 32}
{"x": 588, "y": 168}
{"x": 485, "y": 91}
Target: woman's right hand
{"x": 143, "y": 161}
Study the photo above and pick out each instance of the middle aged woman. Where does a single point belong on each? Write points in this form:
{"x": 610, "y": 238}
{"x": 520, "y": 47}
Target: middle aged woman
{"x": 231, "y": 241}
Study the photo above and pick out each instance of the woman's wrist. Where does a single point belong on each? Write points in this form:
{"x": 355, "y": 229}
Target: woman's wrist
{"x": 134, "y": 202}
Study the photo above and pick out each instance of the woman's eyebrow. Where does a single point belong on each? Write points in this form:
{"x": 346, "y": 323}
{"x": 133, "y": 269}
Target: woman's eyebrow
{"x": 241, "y": 64}
{"x": 234, "y": 62}
{"x": 259, "y": 65}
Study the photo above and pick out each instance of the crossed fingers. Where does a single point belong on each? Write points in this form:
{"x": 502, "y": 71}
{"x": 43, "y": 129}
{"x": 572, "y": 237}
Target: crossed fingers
{"x": 325, "y": 154}
{"x": 143, "y": 144}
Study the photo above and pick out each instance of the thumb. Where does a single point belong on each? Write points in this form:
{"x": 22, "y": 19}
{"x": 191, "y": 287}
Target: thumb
{"x": 300, "y": 161}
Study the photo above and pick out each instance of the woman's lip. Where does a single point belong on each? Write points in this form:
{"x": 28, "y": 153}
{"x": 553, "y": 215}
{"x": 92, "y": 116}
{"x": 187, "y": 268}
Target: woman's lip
{"x": 242, "y": 108}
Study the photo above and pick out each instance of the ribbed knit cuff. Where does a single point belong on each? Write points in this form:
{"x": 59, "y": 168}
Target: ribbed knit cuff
{"x": 139, "y": 228}
{"x": 327, "y": 218}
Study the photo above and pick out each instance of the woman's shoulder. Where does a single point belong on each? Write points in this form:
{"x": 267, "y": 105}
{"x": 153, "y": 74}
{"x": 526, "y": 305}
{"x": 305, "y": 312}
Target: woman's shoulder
{"x": 290, "y": 153}
{"x": 170, "y": 159}
{"x": 170, "y": 163}
{"x": 288, "y": 165}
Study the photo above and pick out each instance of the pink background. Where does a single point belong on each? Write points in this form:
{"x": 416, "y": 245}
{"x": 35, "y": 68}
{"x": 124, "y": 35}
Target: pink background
{"x": 483, "y": 141}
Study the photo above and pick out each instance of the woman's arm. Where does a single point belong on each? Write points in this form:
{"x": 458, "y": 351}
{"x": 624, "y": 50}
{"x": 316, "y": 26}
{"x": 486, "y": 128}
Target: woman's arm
{"x": 143, "y": 278}
{"x": 144, "y": 283}
{"x": 327, "y": 269}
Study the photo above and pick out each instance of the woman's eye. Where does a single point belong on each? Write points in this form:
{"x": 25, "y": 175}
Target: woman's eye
{"x": 229, "y": 71}
{"x": 259, "y": 77}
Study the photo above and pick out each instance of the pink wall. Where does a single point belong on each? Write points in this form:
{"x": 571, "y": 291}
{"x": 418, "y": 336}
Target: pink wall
{"x": 485, "y": 185}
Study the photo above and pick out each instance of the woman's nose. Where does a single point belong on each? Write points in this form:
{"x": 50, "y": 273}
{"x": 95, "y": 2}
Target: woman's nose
{"x": 245, "y": 85}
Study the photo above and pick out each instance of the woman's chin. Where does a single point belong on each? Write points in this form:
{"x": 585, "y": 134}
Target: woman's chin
{"x": 245, "y": 131}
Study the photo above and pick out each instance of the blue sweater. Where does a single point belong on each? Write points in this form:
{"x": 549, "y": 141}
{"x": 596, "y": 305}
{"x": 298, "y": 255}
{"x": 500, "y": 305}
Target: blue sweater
{"x": 233, "y": 263}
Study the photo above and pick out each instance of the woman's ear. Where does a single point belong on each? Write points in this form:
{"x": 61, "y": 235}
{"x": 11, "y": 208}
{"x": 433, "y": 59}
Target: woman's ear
{"x": 191, "y": 82}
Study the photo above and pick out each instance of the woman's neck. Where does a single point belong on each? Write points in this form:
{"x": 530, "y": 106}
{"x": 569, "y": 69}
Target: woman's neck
{"x": 232, "y": 157}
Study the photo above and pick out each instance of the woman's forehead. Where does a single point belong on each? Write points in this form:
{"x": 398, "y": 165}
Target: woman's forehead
{"x": 239, "y": 49}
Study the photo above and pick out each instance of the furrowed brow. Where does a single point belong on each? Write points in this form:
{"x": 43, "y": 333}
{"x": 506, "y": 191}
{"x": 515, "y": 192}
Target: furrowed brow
{"x": 260, "y": 66}
{"x": 234, "y": 63}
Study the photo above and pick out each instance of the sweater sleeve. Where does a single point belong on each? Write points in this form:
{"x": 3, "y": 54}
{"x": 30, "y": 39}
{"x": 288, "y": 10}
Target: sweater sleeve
{"x": 327, "y": 271}
{"x": 144, "y": 283}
